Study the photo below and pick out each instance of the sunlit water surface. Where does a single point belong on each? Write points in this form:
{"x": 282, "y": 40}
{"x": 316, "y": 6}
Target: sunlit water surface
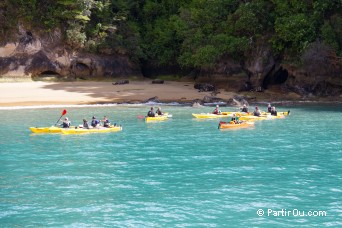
{"x": 178, "y": 173}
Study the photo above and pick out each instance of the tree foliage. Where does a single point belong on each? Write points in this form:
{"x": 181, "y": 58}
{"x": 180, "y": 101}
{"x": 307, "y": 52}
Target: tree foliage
{"x": 186, "y": 33}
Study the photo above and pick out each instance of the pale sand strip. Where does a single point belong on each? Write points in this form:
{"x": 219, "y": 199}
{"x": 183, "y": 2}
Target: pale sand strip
{"x": 71, "y": 93}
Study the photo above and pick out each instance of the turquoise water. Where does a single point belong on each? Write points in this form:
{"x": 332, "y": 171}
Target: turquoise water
{"x": 178, "y": 173}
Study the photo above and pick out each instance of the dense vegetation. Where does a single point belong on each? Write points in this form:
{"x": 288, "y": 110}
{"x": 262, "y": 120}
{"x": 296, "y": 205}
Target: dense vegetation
{"x": 182, "y": 33}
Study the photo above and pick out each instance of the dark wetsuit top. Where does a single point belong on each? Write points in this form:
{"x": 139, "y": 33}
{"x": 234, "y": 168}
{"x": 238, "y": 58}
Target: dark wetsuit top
{"x": 106, "y": 123}
{"x": 245, "y": 109}
{"x": 66, "y": 124}
{"x": 274, "y": 113}
{"x": 94, "y": 122}
{"x": 150, "y": 114}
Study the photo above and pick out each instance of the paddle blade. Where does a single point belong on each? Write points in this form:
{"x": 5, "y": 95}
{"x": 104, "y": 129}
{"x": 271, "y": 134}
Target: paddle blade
{"x": 64, "y": 112}
{"x": 140, "y": 117}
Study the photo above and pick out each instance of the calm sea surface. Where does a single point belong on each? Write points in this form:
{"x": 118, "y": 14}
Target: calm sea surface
{"x": 179, "y": 173}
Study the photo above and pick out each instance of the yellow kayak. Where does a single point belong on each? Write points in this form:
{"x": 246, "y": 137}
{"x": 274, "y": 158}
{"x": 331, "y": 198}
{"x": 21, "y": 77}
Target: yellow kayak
{"x": 211, "y": 115}
{"x": 262, "y": 113}
{"x": 68, "y": 131}
{"x": 283, "y": 113}
{"x": 51, "y": 129}
{"x": 156, "y": 118}
{"x": 232, "y": 125}
{"x": 261, "y": 117}
{"x": 252, "y": 118}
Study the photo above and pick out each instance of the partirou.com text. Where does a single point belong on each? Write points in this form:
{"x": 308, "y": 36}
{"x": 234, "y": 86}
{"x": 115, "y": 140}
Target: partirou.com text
{"x": 295, "y": 212}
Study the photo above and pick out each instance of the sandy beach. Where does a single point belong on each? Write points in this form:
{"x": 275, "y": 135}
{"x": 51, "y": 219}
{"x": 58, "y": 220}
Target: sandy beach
{"x": 74, "y": 93}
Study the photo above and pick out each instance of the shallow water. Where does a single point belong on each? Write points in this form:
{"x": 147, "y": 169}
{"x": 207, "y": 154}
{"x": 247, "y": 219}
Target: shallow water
{"x": 177, "y": 173}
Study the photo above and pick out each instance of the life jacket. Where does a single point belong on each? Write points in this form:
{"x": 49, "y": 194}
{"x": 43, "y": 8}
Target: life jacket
{"x": 150, "y": 114}
{"x": 66, "y": 124}
{"x": 244, "y": 109}
{"x": 269, "y": 109}
{"x": 256, "y": 113}
{"x": 106, "y": 123}
{"x": 94, "y": 122}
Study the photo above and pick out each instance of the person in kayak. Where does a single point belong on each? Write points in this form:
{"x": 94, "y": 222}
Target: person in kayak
{"x": 274, "y": 111}
{"x": 234, "y": 119}
{"x": 106, "y": 122}
{"x": 256, "y": 111}
{"x": 95, "y": 122}
{"x": 269, "y": 108}
{"x": 159, "y": 112}
{"x": 151, "y": 113}
{"x": 85, "y": 124}
{"x": 66, "y": 123}
{"x": 244, "y": 108}
{"x": 217, "y": 111}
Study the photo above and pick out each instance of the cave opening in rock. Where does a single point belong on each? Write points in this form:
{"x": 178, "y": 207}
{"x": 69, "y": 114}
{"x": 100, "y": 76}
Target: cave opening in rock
{"x": 80, "y": 70}
{"x": 81, "y": 66}
{"x": 278, "y": 78}
{"x": 46, "y": 75}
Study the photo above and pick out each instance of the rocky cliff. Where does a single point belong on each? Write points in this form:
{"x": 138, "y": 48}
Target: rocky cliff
{"x": 32, "y": 56}
{"x": 35, "y": 56}
{"x": 319, "y": 73}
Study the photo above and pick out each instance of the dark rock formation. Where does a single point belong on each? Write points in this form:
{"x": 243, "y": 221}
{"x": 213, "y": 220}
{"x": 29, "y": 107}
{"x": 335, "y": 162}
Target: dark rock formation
{"x": 204, "y": 87}
{"x": 31, "y": 56}
{"x": 227, "y": 67}
{"x": 158, "y": 81}
{"x": 152, "y": 99}
{"x": 209, "y": 99}
{"x": 121, "y": 82}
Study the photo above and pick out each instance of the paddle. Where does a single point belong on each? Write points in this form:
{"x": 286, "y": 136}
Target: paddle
{"x": 140, "y": 117}
{"x": 63, "y": 113}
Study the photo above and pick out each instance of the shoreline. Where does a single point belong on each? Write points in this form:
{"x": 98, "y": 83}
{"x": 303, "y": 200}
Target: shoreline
{"x": 15, "y": 95}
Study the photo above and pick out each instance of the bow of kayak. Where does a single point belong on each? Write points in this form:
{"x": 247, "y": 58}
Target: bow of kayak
{"x": 51, "y": 129}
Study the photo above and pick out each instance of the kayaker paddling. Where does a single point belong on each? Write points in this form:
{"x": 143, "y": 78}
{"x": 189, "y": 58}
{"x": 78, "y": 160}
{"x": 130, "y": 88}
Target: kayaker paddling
{"x": 95, "y": 122}
{"x": 85, "y": 124}
{"x": 244, "y": 108}
{"x": 235, "y": 119}
{"x": 274, "y": 111}
{"x": 217, "y": 111}
{"x": 66, "y": 123}
{"x": 159, "y": 112}
{"x": 256, "y": 111}
{"x": 269, "y": 108}
{"x": 151, "y": 113}
{"x": 106, "y": 122}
